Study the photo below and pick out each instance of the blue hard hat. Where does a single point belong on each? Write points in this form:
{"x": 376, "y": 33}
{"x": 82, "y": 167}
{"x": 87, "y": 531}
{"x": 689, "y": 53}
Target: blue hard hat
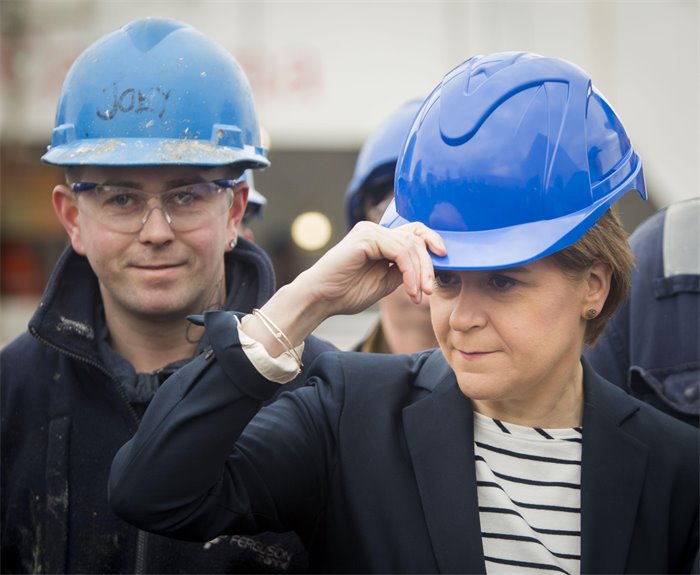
{"x": 256, "y": 201}
{"x": 512, "y": 157}
{"x": 376, "y": 161}
{"x": 156, "y": 91}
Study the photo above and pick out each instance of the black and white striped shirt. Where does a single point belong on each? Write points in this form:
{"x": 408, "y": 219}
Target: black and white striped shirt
{"x": 529, "y": 490}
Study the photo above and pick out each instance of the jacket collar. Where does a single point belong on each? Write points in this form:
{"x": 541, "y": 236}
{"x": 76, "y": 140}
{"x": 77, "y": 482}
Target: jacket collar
{"x": 612, "y": 476}
{"x": 439, "y": 432}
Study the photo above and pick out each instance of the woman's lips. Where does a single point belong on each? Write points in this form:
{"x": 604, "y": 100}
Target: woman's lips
{"x": 474, "y": 355}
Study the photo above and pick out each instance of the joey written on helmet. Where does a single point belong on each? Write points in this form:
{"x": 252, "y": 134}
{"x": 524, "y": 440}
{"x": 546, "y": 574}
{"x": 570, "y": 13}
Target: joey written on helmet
{"x": 512, "y": 157}
{"x": 156, "y": 91}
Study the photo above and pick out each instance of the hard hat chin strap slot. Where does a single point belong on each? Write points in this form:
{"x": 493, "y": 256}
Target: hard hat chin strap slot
{"x": 227, "y": 135}
{"x": 63, "y": 134}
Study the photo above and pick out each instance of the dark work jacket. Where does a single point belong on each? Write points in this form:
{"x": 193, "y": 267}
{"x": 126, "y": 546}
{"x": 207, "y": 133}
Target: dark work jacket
{"x": 68, "y": 403}
{"x": 651, "y": 347}
{"x": 373, "y": 464}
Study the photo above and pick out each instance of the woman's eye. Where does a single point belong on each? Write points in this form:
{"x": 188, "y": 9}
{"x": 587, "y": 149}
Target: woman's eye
{"x": 501, "y": 283}
{"x": 445, "y": 279}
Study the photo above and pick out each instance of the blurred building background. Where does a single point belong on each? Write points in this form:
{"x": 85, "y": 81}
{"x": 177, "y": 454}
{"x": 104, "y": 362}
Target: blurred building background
{"x": 324, "y": 74}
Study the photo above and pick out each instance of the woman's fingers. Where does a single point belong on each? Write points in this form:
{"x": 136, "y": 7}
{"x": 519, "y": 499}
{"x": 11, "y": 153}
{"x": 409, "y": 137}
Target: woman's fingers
{"x": 407, "y": 247}
{"x": 432, "y": 240}
{"x": 366, "y": 265}
{"x": 372, "y": 261}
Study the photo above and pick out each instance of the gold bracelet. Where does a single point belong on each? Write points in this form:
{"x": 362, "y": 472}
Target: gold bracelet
{"x": 278, "y": 334}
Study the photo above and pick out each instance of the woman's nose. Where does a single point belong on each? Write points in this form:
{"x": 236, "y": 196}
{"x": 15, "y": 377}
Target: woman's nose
{"x": 469, "y": 311}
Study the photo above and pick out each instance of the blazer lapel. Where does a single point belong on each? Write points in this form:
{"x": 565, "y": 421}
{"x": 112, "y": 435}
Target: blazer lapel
{"x": 613, "y": 470}
{"x": 439, "y": 432}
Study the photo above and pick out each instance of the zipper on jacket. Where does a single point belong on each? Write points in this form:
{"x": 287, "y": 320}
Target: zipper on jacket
{"x": 142, "y": 537}
{"x": 141, "y": 548}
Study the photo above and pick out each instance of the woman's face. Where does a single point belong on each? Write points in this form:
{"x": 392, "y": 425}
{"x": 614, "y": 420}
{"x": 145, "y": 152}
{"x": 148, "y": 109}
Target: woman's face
{"x": 514, "y": 336}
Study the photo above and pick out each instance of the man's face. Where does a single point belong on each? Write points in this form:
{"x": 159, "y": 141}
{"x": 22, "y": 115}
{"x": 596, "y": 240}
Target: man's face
{"x": 156, "y": 272}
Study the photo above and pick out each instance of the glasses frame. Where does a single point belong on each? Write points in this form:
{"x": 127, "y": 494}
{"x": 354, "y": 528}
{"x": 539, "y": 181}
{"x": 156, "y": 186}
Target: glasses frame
{"x": 225, "y": 184}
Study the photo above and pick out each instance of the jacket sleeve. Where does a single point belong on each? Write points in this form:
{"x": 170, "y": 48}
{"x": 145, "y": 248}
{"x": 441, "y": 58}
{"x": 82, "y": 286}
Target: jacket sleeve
{"x": 198, "y": 467}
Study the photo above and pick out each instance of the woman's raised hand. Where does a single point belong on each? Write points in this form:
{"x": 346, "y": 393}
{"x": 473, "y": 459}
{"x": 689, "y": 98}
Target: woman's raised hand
{"x": 371, "y": 262}
{"x": 368, "y": 263}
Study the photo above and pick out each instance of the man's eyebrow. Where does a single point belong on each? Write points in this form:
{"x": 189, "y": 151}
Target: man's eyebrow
{"x": 121, "y": 183}
{"x": 169, "y": 185}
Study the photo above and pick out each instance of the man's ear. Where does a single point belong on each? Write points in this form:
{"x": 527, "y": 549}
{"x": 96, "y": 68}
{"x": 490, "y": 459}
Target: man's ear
{"x": 598, "y": 280}
{"x": 237, "y": 209}
{"x": 64, "y": 204}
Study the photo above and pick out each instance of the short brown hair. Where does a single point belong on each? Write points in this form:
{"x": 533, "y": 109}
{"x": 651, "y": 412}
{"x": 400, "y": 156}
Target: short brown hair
{"x": 606, "y": 241}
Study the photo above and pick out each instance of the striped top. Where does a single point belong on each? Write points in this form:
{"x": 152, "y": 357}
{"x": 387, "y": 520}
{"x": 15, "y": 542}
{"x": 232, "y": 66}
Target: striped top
{"x": 529, "y": 490}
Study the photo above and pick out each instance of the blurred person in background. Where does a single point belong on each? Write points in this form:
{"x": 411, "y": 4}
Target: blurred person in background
{"x": 254, "y": 209}
{"x": 502, "y": 451}
{"x": 651, "y": 348}
{"x": 155, "y": 124}
{"x": 403, "y": 325}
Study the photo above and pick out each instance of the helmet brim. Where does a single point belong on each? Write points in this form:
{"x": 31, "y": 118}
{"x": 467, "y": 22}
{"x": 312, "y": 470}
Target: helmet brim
{"x": 255, "y": 197}
{"x": 520, "y": 244}
{"x": 155, "y": 151}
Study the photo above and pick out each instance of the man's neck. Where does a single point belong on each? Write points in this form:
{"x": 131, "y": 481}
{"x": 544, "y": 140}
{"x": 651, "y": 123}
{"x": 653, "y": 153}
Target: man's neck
{"x": 149, "y": 346}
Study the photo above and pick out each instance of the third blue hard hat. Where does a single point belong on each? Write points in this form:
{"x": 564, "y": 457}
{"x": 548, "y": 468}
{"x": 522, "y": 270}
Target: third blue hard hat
{"x": 156, "y": 91}
{"x": 512, "y": 157}
{"x": 376, "y": 162}
{"x": 256, "y": 201}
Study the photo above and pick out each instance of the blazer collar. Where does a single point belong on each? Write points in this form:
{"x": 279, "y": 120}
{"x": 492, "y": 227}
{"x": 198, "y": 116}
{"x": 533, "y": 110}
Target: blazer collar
{"x": 439, "y": 432}
{"x": 613, "y": 470}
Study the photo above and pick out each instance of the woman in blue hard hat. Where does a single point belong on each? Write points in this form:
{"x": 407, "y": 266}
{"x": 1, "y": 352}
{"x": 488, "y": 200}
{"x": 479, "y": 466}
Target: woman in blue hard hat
{"x": 501, "y": 452}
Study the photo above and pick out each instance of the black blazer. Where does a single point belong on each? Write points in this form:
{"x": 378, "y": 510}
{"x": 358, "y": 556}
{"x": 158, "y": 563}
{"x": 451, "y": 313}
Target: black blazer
{"x": 373, "y": 464}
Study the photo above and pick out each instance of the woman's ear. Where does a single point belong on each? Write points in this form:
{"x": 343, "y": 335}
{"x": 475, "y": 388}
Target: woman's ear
{"x": 598, "y": 280}
{"x": 66, "y": 208}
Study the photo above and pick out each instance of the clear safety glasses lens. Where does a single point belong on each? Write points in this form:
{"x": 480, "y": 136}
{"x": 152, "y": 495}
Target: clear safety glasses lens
{"x": 127, "y": 210}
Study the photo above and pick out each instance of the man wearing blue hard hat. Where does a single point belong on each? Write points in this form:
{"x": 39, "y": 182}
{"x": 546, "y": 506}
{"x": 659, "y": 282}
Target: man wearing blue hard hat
{"x": 403, "y": 326}
{"x": 155, "y": 125}
{"x": 503, "y": 451}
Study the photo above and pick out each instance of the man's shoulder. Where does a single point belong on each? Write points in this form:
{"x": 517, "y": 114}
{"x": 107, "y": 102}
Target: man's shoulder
{"x": 24, "y": 358}
{"x": 651, "y": 425}
{"x": 22, "y": 346}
